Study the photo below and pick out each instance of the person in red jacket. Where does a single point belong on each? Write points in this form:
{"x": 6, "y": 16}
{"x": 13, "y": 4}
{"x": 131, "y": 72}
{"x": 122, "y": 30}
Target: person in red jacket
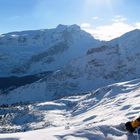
{"x": 131, "y": 126}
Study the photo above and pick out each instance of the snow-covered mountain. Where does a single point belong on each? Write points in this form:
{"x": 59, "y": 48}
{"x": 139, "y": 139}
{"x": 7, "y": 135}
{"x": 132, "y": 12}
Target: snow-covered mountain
{"x": 60, "y": 79}
{"x": 31, "y": 52}
{"x": 96, "y": 115}
{"x": 115, "y": 61}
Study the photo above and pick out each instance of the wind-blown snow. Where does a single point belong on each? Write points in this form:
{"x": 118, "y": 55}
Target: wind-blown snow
{"x": 70, "y": 96}
{"x": 96, "y": 115}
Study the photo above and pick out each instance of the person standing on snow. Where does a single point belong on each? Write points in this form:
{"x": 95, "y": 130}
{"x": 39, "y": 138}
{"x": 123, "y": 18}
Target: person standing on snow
{"x": 131, "y": 126}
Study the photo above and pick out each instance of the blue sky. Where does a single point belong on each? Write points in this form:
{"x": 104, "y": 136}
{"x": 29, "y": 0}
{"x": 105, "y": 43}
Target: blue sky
{"x": 94, "y": 16}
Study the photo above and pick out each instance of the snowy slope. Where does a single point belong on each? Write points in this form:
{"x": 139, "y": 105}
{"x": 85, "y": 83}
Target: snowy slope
{"x": 31, "y": 52}
{"x": 96, "y": 115}
{"x": 66, "y": 103}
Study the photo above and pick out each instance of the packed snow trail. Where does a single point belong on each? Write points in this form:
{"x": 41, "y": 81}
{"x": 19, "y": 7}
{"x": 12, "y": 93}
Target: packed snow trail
{"x": 95, "y": 116}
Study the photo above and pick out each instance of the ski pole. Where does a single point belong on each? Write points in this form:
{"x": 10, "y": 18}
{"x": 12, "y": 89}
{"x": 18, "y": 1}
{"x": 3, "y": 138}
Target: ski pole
{"x": 138, "y": 134}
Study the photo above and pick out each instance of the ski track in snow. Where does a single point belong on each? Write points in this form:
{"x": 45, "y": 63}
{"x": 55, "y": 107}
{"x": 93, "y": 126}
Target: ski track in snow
{"x": 95, "y": 116}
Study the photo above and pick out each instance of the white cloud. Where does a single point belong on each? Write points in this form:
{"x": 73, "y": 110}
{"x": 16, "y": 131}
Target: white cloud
{"x": 95, "y": 18}
{"x": 119, "y": 18}
{"x": 138, "y": 25}
{"x": 112, "y": 30}
{"x": 85, "y": 25}
{"x": 108, "y": 32}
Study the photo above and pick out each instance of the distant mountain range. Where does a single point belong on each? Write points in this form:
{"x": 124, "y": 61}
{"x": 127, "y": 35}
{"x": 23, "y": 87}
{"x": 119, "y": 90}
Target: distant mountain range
{"x": 76, "y": 61}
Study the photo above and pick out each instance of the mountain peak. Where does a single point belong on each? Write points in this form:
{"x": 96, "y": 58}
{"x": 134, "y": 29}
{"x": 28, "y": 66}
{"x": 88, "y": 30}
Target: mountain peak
{"x": 131, "y": 34}
{"x": 135, "y": 30}
{"x": 75, "y": 26}
{"x": 129, "y": 37}
{"x": 70, "y": 27}
{"x": 61, "y": 26}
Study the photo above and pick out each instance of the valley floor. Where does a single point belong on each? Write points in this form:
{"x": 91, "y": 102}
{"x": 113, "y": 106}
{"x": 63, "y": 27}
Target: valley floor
{"x": 95, "y": 116}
